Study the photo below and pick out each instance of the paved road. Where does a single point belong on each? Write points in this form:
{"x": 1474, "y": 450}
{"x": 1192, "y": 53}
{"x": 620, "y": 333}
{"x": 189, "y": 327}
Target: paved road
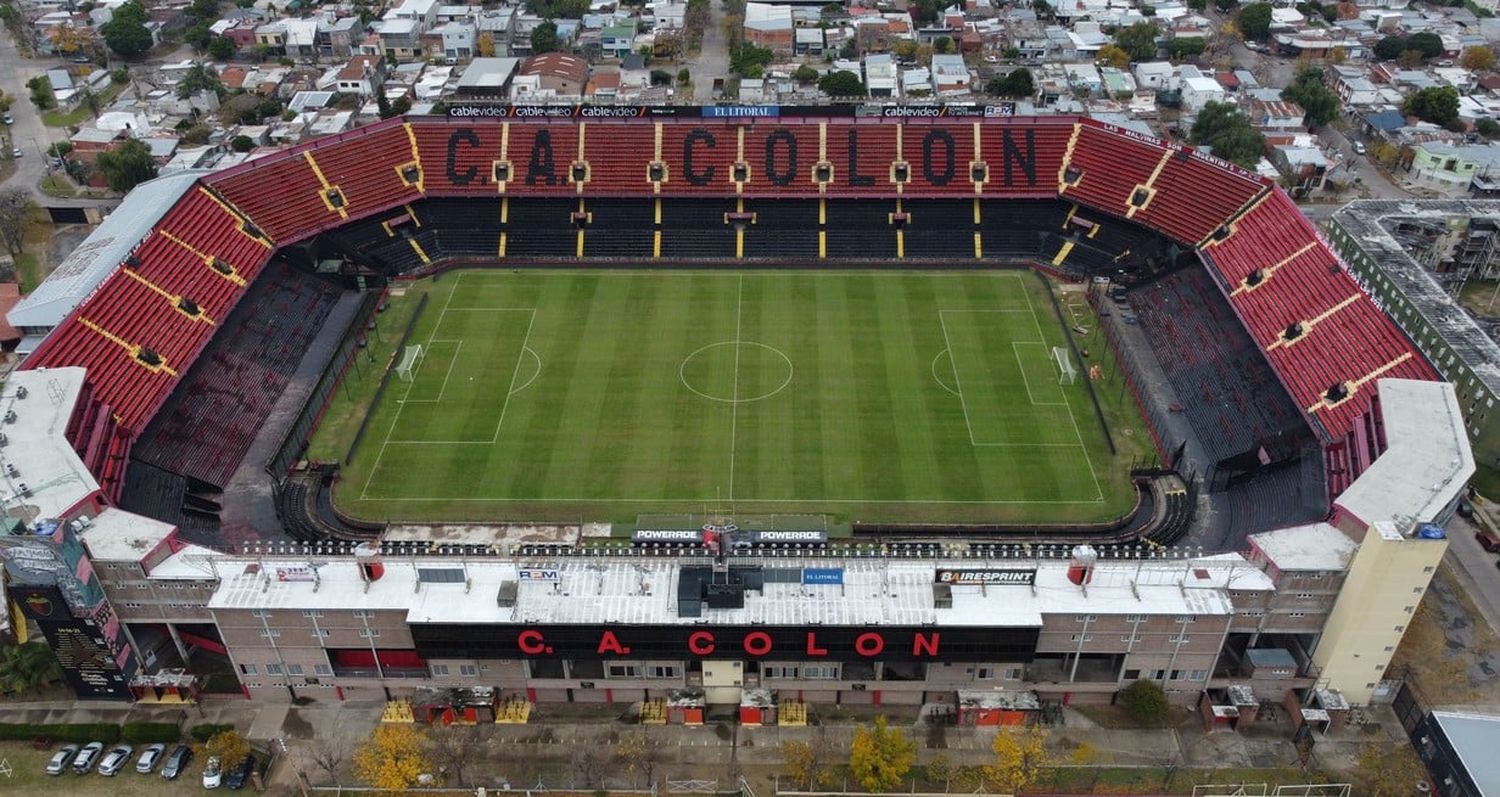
{"x": 712, "y": 61}
{"x": 1475, "y": 568}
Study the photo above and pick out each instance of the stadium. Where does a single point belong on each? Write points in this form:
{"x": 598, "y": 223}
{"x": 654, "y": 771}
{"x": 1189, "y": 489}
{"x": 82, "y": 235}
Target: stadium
{"x": 922, "y": 346}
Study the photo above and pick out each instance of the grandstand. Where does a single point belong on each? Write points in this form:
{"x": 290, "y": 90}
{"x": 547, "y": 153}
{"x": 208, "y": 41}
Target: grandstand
{"x": 160, "y": 334}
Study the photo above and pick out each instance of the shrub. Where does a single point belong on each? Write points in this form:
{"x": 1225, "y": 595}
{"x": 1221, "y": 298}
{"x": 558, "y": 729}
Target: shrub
{"x": 83, "y": 732}
{"x": 1145, "y": 703}
{"x": 202, "y": 733}
{"x": 149, "y": 732}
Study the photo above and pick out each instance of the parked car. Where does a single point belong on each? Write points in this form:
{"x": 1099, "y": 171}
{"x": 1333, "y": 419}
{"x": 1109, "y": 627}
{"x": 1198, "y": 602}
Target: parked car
{"x": 87, "y": 757}
{"x": 240, "y": 775}
{"x": 177, "y": 762}
{"x": 150, "y": 757}
{"x": 61, "y": 759}
{"x": 1486, "y": 541}
{"x": 1465, "y": 509}
{"x": 1359, "y": 148}
{"x": 16, "y": 152}
{"x": 8, "y": 119}
{"x": 115, "y": 760}
{"x": 213, "y": 774}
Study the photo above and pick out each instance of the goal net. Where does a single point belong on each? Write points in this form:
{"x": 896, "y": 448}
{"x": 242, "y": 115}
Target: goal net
{"x": 1067, "y": 374}
{"x": 409, "y": 360}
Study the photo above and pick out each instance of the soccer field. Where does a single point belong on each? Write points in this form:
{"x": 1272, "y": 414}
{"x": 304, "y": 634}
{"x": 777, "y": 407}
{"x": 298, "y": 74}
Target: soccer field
{"x": 871, "y": 396}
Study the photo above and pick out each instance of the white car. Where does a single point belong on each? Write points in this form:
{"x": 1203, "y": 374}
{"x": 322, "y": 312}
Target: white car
{"x": 87, "y": 757}
{"x": 213, "y": 775}
{"x": 150, "y": 757}
{"x": 115, "y": 760}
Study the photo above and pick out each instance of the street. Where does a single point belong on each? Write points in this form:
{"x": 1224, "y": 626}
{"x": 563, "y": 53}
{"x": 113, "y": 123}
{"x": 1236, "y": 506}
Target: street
{"x": 28, "y": 133}
{"x": 712, "y": 62}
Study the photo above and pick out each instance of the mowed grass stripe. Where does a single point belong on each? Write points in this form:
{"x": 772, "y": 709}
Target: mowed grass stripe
{"x": 863, "y": 429}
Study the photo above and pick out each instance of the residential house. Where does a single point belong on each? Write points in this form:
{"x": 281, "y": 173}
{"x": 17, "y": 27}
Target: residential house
{"x": 301, "y": 38}
{"x": 1198, "y": 91}
{"x": 880, "y": 75}
{"x": 634, "y": 74}
{"x": 422, "y": 12}
{"x": 1306, "y": 168}
{"x": 770, "y": 26}
{"x": 809, "y": 41}
{"x": 1452, "y": 168}
{"x": 337, "y": 37}
{"x": 457, "y": 39}
{"x": 399, "y": 38}
{"x": 1351, "y": 85}
{"x": 488, "y": 77}
{"x": 950, "y": 75}
{"x": 604, "y": 86}
{"x": 1155, "y": 75}
{"x": 362, "y": 76}
{"x": 618, "y": 40}
{"x": 563, "y": 75}
{"x": 272, "y": 37}
{"x": 1278, "y": 115}
{"x": 665, "y": 15}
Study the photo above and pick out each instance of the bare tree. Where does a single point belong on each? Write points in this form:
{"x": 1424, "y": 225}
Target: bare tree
{"x": 15, "y": 203}
{"x": 329, "y": 754}
{"x": 640, "y": 752}
{"x": 589, "y": 763}
{"x": 454, "y": 747}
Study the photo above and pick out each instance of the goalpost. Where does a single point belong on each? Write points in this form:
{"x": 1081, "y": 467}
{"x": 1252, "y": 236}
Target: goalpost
{"x": 1067, "y": 374}
{"x": 409, "y": 360}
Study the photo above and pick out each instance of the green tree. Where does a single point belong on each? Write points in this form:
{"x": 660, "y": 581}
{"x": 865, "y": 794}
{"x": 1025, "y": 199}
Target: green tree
{"x": 41, "y": 93}
{"x": 1308, "y": 91}
{"x": 120, "y": 75}
{"x": 222, "y": 48}
{"x": 126, "y": 32}
{"x": 1144, "y": 702}
{"x": 544, "y": 38}
{"x": 1114, "y": 55}
{"x": 558, "y": 9}
{"x": 242, "y": 144}
{"x": 204, "y": 10}
{"x": 29, "y": 667}
{"x": 880, "y": 756}
{"x": 942, "y": 45}
{"x": 805, "y": 75}
{"x": 1478, "y": 59}
{"x": 401, "y": 106}
{"x": 230, "y": 748}
{"x": 127, "y": 165}
{"x": 199, "y": 77}
{"x": 1018, "y": 84}
{"x": 1139, "y": 40}
{"x": 842, "y": 83}
{"x": 1429, "y": 44}
{"x": 1255, "y": 21}
{"x": 199, "y": 36}
{"x": 1487, "y": 127}
{"x": 751, "y": 61}
{"x": 1389, "y": 48}
{"x": 1185, "y": 47}
{"x": 1221, "y": 125}
{"x": 1436, "y": 104}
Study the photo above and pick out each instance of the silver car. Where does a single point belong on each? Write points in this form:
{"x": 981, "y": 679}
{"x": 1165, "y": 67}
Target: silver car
{"x": 87, "y": 757}
{"x": 150, "y": 757}
{"x": 61, "y": 759}
{"x": 115, "y": 760}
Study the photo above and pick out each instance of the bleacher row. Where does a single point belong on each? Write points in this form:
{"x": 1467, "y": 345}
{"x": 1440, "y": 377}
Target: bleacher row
{"x": 144, "y": 327}
{"x": 96, "y": 437}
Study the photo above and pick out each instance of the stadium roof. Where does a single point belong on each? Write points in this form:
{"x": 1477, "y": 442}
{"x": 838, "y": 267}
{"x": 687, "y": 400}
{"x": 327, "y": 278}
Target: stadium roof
{"x": 642, "y": 591}
{"x": 99, "y": 254}
{"x": 119, "y": 536}
{"x": 1366, "y": 222}
{"x": 50, "y": 467}
{"x": 1427, "y": 461}
{"x": 1474, "y": 737}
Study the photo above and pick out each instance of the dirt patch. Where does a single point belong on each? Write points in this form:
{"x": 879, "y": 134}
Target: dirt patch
{"x": 1450, "y": 654}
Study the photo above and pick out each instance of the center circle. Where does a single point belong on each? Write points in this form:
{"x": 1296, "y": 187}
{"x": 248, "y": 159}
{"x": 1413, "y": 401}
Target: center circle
{"x": 736, "y": 372}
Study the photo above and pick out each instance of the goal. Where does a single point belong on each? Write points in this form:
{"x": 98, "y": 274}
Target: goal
{"x": 409, "y": 360}
{"x": 1067, "y": 374}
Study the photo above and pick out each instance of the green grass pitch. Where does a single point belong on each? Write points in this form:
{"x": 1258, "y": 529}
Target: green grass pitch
{"x": 869, "y": 396}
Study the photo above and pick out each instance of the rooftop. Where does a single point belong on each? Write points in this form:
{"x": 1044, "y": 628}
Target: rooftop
{"x": 53, "y": 472}
{"x": 119, "y": 536}
{"x": 1474, "y": 738}
{"x": 1315, "y": 546}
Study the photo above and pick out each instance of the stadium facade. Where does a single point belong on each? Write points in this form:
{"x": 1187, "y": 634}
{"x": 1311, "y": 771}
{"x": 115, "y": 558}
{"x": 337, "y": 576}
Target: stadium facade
{"x": 1303, "y": 611}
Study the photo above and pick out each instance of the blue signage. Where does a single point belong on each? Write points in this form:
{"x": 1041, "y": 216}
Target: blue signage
{"x": 741, "y": 110}
{"x": 822, "y": 575}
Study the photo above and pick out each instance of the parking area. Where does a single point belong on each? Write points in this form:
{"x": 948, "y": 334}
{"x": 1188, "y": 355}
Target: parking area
{"x": 28, "y": 776}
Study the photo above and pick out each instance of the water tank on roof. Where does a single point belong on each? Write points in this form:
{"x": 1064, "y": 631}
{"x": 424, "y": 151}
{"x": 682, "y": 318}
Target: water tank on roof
{"x": 1429, "y": 531}
{"x": 1081, "y": 564}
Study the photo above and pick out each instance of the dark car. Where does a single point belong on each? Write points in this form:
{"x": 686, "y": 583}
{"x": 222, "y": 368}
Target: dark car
{"x": 1486, "y": 541}
{"x": 177, "y": 762}
{"x": 240, "y": 775}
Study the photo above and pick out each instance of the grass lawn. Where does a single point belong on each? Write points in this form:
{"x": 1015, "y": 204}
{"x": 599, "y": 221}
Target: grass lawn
{"x": 605, "y": 395}
{"x": 28, "y": 776}
{"x": 60, "y": 118}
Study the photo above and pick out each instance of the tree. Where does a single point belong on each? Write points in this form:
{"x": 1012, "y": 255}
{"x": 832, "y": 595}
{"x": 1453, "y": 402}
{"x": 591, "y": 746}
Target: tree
{"x": 401, "y": 105}
{"x": 544, "y": 37}
{"x": 1183, "y": 47}
{"x": 939, "y": 769}
{"x": 126, "y": 32}
{"x": 1221, "y": 125}
{"x": 1307, "y": 90}
{"x": 589, "y": 763}
{"x": 880, "y": 756}
{"x": 29, "y": 667}
{"x": 1018, "y": 83}
{"x": 204, "y": 10}
{"x": 229, "y": 747}
{"x": 68, "y": 39}
{"x": 1436, "y": 104}
{"x": 1255, "y": 21}
{"x": 41, "y": 93}
{"x": 1487, "y": 127}
{"x": 222, "y": 48}
{"x": 1139, "y": 40}
{"x": 242, "y": 143}
{"x": 485, "y": 44}
{"x": 120, "y": 75}
{"x": 454, "y": 747}
{"x": 640, "y": 752}
{"x": 942, "y": 45}
{"x": 809, "y": 764}
{"x": 1429, "y": 44}
{"x": 329, "y": 755}
{"x": 805, "y": 75}
{"x": 1020, "y": 757}
{"x": 1478, "y": 59}
{"x": 199, "y": 77}
{"x": 842, "y": 83}
{"x": 59, "y": 149}
{"x": 126, "y": 166}
{"x": 1144, "y": 702}
{"x": 1389, "y": 48}
{"x": 1409, "y": 59}
{"x": 393, "y": 757}
{"x": 199, "y": 36}
{"x": 684, "y": 76}
{"x": 748, "y": 60}
{"x": 1114, "y": 55}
